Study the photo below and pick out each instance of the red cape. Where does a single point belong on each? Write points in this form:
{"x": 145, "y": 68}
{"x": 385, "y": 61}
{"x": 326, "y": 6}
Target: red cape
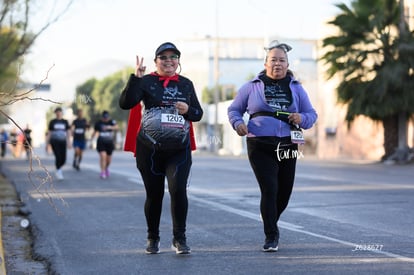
{"x": 134, "y": 124}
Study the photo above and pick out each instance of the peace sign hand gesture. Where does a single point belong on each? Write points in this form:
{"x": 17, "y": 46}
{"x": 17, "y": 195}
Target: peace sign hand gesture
{"x": 140, "y": 68}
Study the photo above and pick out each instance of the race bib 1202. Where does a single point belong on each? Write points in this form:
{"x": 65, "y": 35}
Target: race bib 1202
{"x": 172, "y": 120}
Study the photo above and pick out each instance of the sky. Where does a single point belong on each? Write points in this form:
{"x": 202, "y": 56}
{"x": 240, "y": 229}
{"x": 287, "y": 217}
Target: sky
{"x": 97, "y": 37}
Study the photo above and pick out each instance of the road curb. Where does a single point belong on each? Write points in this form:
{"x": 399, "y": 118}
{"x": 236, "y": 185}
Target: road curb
{"x": 15, "y": 242}
{"x": 2, "y": 258}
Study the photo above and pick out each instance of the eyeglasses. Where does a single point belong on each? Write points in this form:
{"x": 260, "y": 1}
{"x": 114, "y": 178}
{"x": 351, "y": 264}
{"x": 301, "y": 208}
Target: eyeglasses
{"x": 165, "y": 57}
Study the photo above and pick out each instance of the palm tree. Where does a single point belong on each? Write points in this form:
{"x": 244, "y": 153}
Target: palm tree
{"x": 374, "y": 62}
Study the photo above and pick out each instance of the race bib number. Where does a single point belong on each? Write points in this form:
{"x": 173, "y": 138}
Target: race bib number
{"x": 296, "y": 136}
{"x": 105, "y": 134}
{"x": 172, "y": 120}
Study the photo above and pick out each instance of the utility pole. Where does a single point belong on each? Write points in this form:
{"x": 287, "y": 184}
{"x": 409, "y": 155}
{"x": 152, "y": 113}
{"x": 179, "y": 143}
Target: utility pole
{"x": 402, "y": 117}
{"x": 216, "y": 85}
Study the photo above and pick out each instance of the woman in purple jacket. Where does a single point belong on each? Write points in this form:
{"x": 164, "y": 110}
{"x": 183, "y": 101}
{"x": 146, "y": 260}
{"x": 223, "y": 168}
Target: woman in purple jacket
{"x": 279, "y": 108}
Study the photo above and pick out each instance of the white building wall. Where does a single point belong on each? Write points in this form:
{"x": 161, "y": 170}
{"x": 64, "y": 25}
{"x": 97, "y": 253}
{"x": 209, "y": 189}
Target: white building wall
{"x": 32, "y": 113}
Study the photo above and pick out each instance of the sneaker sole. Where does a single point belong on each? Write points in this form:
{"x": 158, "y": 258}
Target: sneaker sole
{"x": 271, "y": 249}
{"x": 149, "y": 252}
{"x": 180, "y": 252}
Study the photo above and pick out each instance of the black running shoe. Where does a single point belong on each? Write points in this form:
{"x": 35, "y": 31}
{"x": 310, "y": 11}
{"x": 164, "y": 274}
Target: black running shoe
{"x": 270, "y": 246}
{"x": 76, "y": 163}
{"x": 180, "y": 246}
{"x": 153, "y": 246}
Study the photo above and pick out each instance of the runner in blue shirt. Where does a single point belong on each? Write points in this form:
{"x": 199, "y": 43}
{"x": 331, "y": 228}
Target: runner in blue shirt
{"x": 79, "y": 127}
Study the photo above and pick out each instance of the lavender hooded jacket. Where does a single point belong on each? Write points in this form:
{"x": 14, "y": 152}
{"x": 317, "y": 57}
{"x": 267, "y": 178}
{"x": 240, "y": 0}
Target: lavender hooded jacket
{"x": 250, "y": 98}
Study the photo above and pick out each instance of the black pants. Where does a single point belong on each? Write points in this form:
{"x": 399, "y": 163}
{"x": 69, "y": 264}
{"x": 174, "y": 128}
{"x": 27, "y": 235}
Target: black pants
{"x": 154, "y": 167}
{"x": 274, "y": 162}
{"x": 59, "y": 150}
{"x": 3, "y": 148}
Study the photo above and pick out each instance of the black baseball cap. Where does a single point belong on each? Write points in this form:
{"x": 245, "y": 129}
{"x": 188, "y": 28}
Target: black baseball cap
{"x": 167, "y": 46}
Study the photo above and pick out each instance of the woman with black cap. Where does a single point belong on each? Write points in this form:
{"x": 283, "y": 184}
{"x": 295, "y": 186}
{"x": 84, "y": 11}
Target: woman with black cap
{"x": 164, "y": 140}
{"x": 59, "y": 139}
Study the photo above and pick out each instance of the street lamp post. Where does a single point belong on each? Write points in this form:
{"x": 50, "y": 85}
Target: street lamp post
{"x": 402, "y": 117}
{"x": 216, "y": 85}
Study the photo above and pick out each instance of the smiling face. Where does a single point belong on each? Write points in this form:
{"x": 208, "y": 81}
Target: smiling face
{"x": 167, "y": 63}
{"x": 276, "y": 64}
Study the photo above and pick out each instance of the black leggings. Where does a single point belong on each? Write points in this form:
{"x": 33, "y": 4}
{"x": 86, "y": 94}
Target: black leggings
{"x": 154, "y": 167}
{"x": 274, "y": 162}
{"x": 59, "y": 150}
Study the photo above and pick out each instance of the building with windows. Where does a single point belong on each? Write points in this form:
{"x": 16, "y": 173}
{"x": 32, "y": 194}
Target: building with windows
{"x": 228, "y": 63}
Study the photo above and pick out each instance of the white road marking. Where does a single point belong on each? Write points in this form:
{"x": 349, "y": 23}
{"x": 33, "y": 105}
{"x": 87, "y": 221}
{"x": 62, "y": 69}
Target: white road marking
{"x": 134, "y": 177}
{"x": 295, "y": 228}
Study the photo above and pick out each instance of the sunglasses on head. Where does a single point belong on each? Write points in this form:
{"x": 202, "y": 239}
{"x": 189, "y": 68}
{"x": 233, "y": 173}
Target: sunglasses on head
{"x": 165, "y": 57}
{"x": 275, "y": 44}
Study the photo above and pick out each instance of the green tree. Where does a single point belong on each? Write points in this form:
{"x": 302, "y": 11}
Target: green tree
{"x": 84, "y": 100}
{"x": 226, "y": 92}
{"x": 374, "y": 62}
{"x": 106, "y": 95}
{"x": 16, "y": 36}
{"x": 94, "y": 96}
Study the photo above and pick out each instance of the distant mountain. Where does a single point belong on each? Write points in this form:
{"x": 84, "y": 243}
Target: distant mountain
{"x": 63, "y": 86}
{"x": 99, "y": 69}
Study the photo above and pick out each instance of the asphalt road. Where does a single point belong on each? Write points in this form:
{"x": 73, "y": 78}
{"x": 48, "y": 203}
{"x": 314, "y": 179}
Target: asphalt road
{"x": 343, "y": 218}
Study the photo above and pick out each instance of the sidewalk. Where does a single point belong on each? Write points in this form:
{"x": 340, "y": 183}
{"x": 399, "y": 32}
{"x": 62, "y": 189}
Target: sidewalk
{"x": 15, "y": 241}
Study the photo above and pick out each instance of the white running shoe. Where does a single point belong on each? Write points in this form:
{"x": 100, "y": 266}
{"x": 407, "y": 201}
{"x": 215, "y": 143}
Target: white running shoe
{"x": 59, "y": 174}
{"x": 102, "y": 175}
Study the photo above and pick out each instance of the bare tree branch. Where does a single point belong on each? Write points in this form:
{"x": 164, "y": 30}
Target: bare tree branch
{"x": 16, "y": 39}
{"x": 42, "y": 180}
{"x": 25, "y": 95}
